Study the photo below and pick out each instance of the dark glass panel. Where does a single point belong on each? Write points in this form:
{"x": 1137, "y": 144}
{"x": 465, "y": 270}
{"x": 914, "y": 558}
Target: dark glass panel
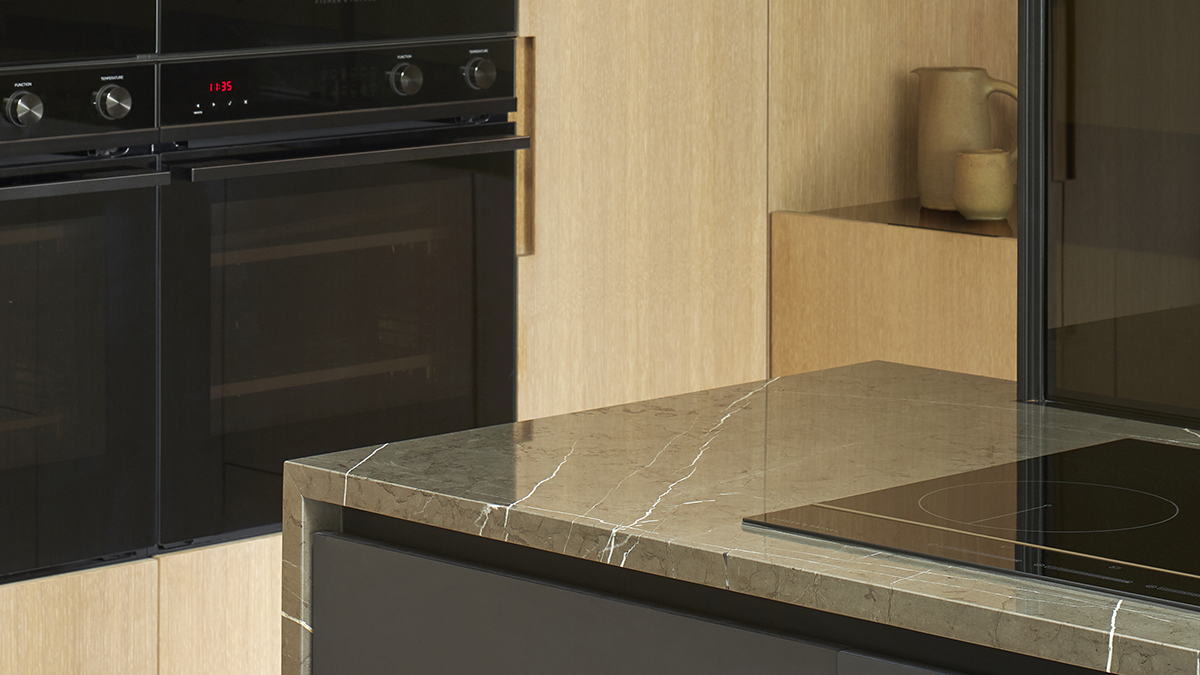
{"x": 77, "y": 457}
{"x": 1124, "y": 242}
{"x": 319, "y": 311}
{"x": 218, "y": 25}
{"x": 1107, "y": 515}
{"x": 58, "y": 30}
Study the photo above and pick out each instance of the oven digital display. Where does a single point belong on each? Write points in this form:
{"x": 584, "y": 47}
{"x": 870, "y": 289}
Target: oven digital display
{"x": 288, "y": 85}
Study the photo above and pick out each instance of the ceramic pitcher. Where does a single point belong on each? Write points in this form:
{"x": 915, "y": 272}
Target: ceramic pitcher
{"x": 953, "y": 117}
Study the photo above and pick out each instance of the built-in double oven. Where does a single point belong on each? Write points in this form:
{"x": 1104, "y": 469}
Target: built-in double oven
{"x": 215, "y": 261}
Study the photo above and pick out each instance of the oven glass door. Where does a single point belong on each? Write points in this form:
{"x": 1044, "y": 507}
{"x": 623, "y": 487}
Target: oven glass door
{"x": 77, "y": 348}
{"x": 310, "y": 308}
{"x": 219, "y": 25}
{"x": 68, "y": 30}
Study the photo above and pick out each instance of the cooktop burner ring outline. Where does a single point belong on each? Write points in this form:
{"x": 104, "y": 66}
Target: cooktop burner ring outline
{"x": 921, "y": 505}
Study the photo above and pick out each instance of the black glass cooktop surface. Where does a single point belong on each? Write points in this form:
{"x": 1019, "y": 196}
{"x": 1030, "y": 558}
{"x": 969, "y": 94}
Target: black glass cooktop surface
{"x": 1123, "y": 515}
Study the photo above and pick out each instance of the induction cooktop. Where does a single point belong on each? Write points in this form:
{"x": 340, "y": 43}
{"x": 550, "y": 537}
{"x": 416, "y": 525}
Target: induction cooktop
{"x": 1123, "y": 516}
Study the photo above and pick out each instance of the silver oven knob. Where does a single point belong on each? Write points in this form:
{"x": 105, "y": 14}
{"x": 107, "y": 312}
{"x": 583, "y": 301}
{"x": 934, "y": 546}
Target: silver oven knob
{"x": 407, "y": 79}
{"x": 23, "y": 108}
{"x": 113, "y": 102}
{"x": 481, "y": 73}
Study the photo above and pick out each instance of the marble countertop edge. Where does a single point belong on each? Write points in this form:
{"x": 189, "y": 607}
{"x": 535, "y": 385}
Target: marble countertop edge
{"x": 661, "y": 487}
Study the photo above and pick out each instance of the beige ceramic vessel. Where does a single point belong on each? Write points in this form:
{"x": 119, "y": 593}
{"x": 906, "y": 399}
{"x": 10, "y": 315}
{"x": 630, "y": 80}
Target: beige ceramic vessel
{"x": 983, "y": 184}
{"x": 953, "y": 117}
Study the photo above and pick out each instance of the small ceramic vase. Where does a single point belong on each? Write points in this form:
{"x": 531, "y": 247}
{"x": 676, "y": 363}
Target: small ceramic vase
{"x": 983, "y": 185}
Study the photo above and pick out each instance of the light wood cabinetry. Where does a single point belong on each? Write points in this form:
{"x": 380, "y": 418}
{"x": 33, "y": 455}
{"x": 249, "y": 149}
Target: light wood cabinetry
{"x": 649, "y": 270}
{"x": 666, "y": 130}
{"x": 843, "y": 113}
{"x": 219, "y": 609}
{"x": 212, "y": 610}
{"x": 847, "y": 291}
{"x": 100, "y": 622}
{"x": 843, "y": 104}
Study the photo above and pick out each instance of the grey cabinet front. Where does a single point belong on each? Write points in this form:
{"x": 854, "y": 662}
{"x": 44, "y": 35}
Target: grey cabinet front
{"x": 384, "y": 610}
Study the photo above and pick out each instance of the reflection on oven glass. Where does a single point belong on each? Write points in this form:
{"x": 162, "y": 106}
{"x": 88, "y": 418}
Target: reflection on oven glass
{"x": 52, "y": 335}
{"x": 336, "y": 303}
{"x": 76, "y": 378}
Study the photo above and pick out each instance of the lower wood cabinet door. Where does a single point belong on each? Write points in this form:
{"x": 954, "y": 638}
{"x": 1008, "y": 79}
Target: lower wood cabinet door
{"x": 219, "y": 609}
{"x": 100, "y": 622}
{"x": 378, "y": 609}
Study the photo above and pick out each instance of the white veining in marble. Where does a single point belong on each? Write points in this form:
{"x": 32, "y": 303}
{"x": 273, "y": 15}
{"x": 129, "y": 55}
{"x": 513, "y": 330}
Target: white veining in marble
{"x": 346, "y": 486}
{"x": 1112, "y": 633}
{"x": 710, "y": 435}
{"x": 691, "y": 470}
{"x": 293, "y": 619}
{"x": 665, "y": 484}
{"x": 484, "y": 515}
{"x": 535, "y": 487}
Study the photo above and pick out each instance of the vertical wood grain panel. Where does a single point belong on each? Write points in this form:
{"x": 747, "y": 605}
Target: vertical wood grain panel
{"x": 649, "y": 276}
{"x": 100, "y": 622}
{"x": 219, "y": 609}
{"x": 843, "y": 102}
{"x": 846, "y": 291}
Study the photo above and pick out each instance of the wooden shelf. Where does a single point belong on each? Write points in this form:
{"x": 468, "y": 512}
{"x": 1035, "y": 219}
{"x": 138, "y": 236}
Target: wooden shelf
{"x": 908, "y": 213}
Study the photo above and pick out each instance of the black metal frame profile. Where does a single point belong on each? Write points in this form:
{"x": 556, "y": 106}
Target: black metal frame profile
{"x": 1031, "y": 237}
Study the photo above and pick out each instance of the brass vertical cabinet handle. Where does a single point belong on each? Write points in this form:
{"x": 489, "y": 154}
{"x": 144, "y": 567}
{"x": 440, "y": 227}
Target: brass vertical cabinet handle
{"x": 525, "y": 116}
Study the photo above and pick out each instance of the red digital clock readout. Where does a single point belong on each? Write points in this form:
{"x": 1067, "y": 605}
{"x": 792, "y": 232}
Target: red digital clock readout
{"x": 223, "y": 85}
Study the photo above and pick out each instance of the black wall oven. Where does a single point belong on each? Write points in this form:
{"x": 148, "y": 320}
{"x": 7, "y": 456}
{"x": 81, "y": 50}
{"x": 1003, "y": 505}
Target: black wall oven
{"x": 330, "y": 280}
{"x": 77, "y": 319}
{"x": 259, "y": 244}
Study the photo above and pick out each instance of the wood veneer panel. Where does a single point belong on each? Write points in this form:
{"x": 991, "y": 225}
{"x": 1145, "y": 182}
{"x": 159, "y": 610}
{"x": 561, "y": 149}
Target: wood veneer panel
{"x": 843, "y": 102}
{"x": 845, "y": 292}
{"x": 649, "y": 274}
{"x": 219, "y": 609}
{"x": 100, "y": 621}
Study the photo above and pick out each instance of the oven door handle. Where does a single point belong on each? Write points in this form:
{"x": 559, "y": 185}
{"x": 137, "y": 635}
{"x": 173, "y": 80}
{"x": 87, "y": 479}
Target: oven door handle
{"x": 271, "y": 167}
{"x": 84, "y": 186}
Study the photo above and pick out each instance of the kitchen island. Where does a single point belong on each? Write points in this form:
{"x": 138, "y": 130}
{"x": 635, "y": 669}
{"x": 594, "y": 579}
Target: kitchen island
{"x": 657, "y": 490}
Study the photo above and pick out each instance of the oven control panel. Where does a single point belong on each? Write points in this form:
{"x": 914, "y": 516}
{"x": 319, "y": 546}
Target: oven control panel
{"x": 265, "y": 87}
{"x": 51, "y": 104}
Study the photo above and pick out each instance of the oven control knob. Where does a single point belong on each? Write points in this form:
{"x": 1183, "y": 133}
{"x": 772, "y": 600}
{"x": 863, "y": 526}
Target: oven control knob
{"x": 407, "y": 79}
{"x": 23, "y": 108}
{"x": 113, "y": 102}
{"x": 481, "y": 73}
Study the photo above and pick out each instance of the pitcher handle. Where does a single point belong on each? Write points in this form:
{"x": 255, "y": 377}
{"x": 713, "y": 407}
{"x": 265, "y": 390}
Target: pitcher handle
{"x": 1008, "y": 89}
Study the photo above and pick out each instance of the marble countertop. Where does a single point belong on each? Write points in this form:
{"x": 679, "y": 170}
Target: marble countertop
{"x": 662, "y": 486}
